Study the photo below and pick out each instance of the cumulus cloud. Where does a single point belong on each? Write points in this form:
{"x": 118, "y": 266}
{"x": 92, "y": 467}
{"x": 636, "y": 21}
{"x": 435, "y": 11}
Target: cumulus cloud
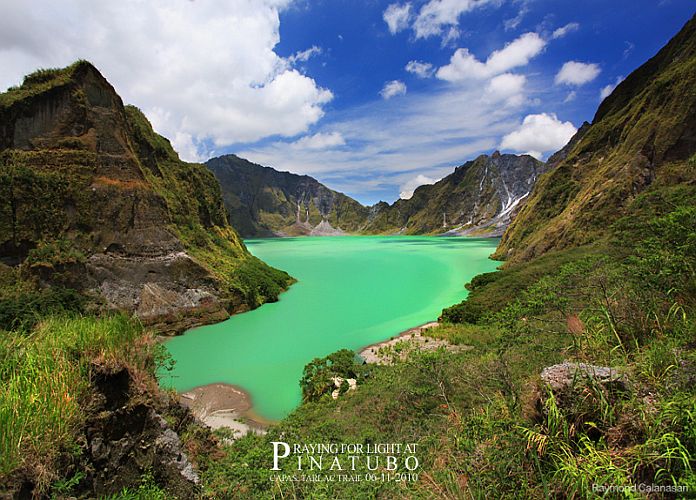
{"x": 397, "y": 16}
{"x": 320, "y": 141}
{"x": 507, "y": 87}
{"x": 539, "y": 134}
{"x": 420, "y": 69}
{"x": 564, "y": 30}
{"x": 392, "y": 141}
{"x": 437, "y": 17}
{"x": 464, "y": 65}
{"x": 410, "y": 185}
{"x": 393, "y": 89}
{"x": 577, "y": 73}
{"x": 204, "y": 72}
{"x": 608, "y": 89}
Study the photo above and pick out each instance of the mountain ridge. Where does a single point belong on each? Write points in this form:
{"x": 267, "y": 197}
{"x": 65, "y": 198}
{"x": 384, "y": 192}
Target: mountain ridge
{"x": 262, "y": 201}
{"x": 642, "y": 139}
{"x": 93, "y": 199}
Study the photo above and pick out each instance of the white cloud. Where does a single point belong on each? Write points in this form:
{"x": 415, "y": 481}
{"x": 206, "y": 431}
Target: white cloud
{"x": 539, "y": 134}
{"x": 420, "y": 69}
{"x": 571, "y": 96}
{"x": 451, "y": 36}
{"x": 304, "y": 55}
{"x": 392, "y": 141}
{"x": 607, "y": 90}
{"x": 410, "y": 186}
{"x": 393, "y": 89}
{"x": 320, "y": 141}
{"x": 564, "y": 30}
{"x": 210, "y": 65}
{"x": 577, "y": 73}
{"x": 397, "y": 16}
{"x": 436, "y": 15}
{"x": 507, "y": 87}
{"x": 511, "y": 24}
{"x": 464, "y": 65}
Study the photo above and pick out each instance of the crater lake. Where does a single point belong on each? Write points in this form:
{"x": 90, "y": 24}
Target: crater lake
{"x": 352, "y": 291}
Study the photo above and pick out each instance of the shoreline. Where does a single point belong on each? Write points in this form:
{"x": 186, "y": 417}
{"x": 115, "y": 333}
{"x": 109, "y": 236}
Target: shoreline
{"x": 222, "y": 405}
{"x": 370, "y": 352}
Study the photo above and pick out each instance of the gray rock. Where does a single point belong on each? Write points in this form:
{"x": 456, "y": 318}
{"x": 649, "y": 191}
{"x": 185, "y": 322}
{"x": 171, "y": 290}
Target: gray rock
{"x": 566, "y": 375}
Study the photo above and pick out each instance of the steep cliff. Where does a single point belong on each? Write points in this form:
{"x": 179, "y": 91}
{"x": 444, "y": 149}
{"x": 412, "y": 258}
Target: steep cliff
{"x": 92, "y": 198}
{"x": 641, "y": 141}
{"x": 262, "y": 201}
{"x": 478, "y": 198}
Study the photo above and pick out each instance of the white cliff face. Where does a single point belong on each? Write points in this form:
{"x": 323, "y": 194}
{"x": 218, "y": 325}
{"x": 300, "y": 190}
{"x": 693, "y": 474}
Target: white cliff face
{"x": 502, "y": 185}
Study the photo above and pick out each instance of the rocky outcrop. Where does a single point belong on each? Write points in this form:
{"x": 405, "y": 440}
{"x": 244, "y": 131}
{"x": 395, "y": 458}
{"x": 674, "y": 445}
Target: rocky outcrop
{"x": 578, "y": 392}
{"x": 127, "y": 436}
{"x": 565, "y": 376}
{"x": 262, "y": 201}
{"x": 92, "y": 198}
{"x": 342, "y": 386}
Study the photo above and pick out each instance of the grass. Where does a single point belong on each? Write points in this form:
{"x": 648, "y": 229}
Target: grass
{"x": 45, "y": 374}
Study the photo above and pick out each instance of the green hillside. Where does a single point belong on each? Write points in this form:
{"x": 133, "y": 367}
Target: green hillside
{"x": 642, "y": 139}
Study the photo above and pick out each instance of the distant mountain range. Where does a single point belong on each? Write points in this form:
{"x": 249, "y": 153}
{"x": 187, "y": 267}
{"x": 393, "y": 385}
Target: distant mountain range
{"x": 261, "y": 201}
{"x": 478, "y": 198}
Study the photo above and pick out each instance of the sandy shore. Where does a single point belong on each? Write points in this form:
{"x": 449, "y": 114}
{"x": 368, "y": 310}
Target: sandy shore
{"x": 224, "y": 405}
{"x": 412, "y": 339}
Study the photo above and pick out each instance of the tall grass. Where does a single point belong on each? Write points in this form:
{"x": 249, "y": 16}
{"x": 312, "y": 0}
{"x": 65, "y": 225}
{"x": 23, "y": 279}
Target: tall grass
{"x": 43, "y": 377}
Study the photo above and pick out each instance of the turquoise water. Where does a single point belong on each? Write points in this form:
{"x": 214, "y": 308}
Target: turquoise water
{"x": 352, "y": 291}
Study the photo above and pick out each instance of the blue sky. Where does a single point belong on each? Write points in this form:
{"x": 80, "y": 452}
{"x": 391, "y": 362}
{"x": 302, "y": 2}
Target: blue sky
{"x": 370, "y": 97}
{"x": 359, "y": 54}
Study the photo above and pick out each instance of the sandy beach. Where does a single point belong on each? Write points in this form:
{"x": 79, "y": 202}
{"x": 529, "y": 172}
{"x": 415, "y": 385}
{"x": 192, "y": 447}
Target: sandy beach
{"x": 412, "y": 339}
{"x": 224, "y": 405}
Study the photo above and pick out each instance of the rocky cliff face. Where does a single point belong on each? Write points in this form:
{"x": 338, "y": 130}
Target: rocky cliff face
{"x": 91, "y": 198}
{"x": 262, "y": 201}
{"x": 478, "y": 199}
{"x": 641, "y": 140}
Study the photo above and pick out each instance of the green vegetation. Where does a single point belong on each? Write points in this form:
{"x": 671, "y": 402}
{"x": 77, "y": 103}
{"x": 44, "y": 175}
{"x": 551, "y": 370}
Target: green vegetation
{"x": 317, "y": 379}
{"x": 45, "y": 376}
{"x": 484, "y": 422}
{"x": 639, "y": 139}
{"x": 39, "y": 82}
{"x": 609, "y": 244}
{"x": 199, "y": 219}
